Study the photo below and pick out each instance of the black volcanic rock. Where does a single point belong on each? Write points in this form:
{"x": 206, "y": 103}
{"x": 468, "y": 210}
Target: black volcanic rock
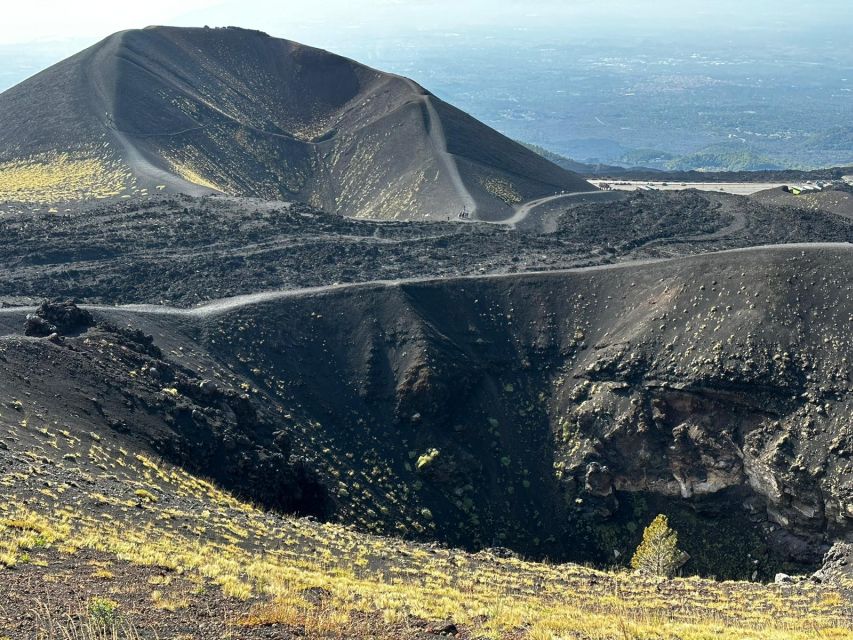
{"x": 837, "y": 565}
{"x": 183, "y": 250}
{"x": 206, "y": 110}
{"x": 556, "y": 413}
{"x": 57, "y": 317}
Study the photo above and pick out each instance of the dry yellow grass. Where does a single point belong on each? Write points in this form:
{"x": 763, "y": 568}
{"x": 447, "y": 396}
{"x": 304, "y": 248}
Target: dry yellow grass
{"x": 56, "y": 177}
{"x": 502, "y": 188}
{"x": 191, "y": 174}
{"x": 273, "y": 561}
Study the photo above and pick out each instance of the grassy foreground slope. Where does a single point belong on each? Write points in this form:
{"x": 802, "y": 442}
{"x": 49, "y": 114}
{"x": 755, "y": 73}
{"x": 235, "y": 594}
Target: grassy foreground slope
{"x": 83, "y": 522}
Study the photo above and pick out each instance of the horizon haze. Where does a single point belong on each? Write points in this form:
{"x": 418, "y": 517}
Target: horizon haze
{"x": 680, "y": 85}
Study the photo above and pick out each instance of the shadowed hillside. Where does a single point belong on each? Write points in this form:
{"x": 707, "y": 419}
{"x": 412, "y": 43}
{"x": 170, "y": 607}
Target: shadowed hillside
{"x": 235, "y": 111}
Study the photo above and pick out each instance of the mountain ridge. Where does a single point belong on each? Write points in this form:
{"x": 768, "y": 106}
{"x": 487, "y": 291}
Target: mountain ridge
{"x": 228, "y": 110}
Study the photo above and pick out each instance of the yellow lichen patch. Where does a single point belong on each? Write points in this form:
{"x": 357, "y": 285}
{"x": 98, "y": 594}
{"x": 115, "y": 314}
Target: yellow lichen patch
{"x": 190, "y": 174}
{"x": 56, "y": 177}
{"x": 502, "y": 189}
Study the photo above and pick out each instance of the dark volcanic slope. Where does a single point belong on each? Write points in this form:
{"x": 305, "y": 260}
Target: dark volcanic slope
{"x": 182, "y": 251}
{"x": 204, "y": 110}
{"x": 551, "y": 413}
{"x": 838, "y": 200}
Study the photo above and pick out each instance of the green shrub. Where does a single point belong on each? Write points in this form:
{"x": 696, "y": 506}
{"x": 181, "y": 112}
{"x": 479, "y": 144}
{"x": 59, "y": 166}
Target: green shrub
{"x": 103, "y": 613}
{"x": 427, "y": 459}
{"x": 658, "y": 553}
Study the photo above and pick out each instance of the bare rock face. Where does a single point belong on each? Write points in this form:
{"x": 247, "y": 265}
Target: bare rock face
{"x": 837, "y": 565}
{"x": 696, "y": 440}
{"x": 37, "y": 327}
{"x": 598, "y": 481}
{"x": 699, "y": 394}
{"x": 557, "y": 414}
{"x": 57, "y": 317}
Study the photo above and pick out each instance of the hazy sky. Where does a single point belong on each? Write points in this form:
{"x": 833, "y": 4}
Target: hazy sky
{"x": 37, "y": 33}
{"x": 45, "y": 20}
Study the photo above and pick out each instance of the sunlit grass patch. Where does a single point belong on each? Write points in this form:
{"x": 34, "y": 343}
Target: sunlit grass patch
{"x": 328, "y": 581}
{"x": 56, "y": 177}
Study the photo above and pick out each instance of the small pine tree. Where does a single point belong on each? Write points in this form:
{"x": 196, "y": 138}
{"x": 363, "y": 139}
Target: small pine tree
{"x": 658, "y": 553}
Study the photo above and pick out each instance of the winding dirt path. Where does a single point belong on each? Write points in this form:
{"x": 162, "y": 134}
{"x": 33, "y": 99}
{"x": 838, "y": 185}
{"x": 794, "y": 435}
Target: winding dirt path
{"x": 439, "y": 142}
{"x": 524, "y": 209}
{"x": 224, "y": 305}
{"x": 134, "y": 159}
